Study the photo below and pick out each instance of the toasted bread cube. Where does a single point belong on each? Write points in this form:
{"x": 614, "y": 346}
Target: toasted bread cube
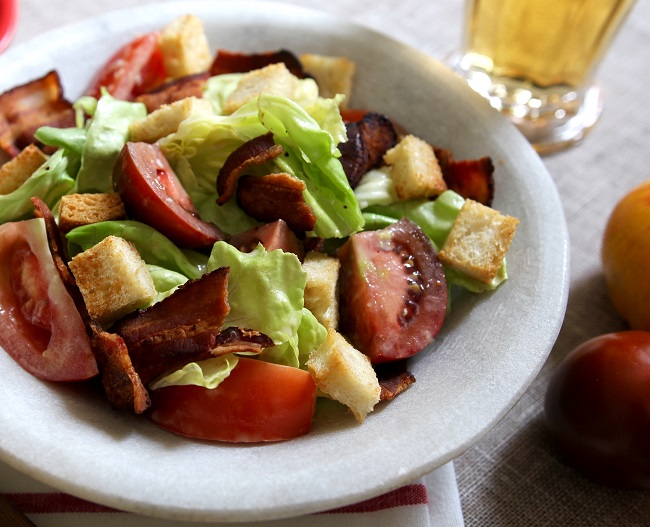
{"x": 415, "y": 169}
{"x": 165, "y": 120}
{"x": 321, "y": 291}
{"x": 18, "y": 170}
{"x": 478, "y": 241}
{"x": 113, "y": 279}
{"x": 275, "y": 79}
{"x": 83, "y": 209}
{"x": 185, "y": 47}
{"x": 345, "y": 374}
{"x": 333, "y": 75}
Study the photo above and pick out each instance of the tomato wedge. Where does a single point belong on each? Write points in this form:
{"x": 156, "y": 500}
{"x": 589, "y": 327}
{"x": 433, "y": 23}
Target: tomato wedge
{"x": 259, "y": 401}
{"x": 41, "y": 326}
{"x": 135, "y": 68}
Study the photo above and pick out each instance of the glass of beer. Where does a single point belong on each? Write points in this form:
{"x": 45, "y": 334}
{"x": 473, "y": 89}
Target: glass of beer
{"x": 534, "y": 60}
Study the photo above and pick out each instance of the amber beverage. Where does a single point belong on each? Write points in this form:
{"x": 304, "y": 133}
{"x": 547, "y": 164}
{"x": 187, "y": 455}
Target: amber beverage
{"x": 535, "y": 61}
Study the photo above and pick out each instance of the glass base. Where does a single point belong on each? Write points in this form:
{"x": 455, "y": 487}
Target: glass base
{"x": 551, "y": 119}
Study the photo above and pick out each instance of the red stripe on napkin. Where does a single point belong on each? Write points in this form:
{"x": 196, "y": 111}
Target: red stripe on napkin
{"x": 415, "y": 494}
{"x": 52, "y": 502}
{"x": 60, "y": 502}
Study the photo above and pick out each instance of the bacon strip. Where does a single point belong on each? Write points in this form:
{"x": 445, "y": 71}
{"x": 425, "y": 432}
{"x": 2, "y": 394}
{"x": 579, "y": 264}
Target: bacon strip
{"x": 393, "y": 379}
{"x": 197, "y": 306}
{"x": 174, "y": 90}
{"x": 238, "y": 62}
{"x": 123, "y": 386}
{"x": 185, "y": 327}
{"x": 254, "y": 152}
{"x": 368, "y": 140}
{"x": 25, "y": 108}
{"x": 276, "y": 197}
{"x": 472, "y": 179}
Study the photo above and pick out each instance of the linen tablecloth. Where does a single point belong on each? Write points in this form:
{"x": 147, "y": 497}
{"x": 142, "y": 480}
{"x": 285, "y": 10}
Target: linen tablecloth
{"x": 510, "y": 477}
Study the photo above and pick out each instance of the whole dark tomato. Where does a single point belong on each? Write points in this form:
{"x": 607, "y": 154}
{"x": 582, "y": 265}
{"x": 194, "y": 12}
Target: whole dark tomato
{"x": 598, "y": 409}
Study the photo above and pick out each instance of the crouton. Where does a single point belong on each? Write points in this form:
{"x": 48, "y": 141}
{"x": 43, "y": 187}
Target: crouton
{"x": 165, "y": 120}
{"x": 345, "y": 374}
{"x": 185, "y": 47}
{"x": 113, "y": 279}
{"x": 321, "y": 291}
{"x": 17, "y": 170}
{"x": 275, "y": 79}
{"x": 478, "y": 241}
{"x": 333, "y": 75}
{"x": 83, "y": 209}
{"x": 415, "y": 169}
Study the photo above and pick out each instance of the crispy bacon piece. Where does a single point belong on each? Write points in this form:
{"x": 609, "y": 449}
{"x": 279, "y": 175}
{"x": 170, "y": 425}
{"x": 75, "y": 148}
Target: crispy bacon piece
{"x": 123, "y": 386}
{"x": 472, "y": 179}
{"x": 368, "y": 141}
{"x": 174, "y": 90}
{"x": 238, "y": 62}
{"x": 276, "y": 235}
{"x": 185, "y": 327}
{"x": 254, "y": 152}
{"x": 27, "y": 107}
{"x": 393, "y": 379}
{"x": 54, "y": 238}
{"x": 276, "y": 197}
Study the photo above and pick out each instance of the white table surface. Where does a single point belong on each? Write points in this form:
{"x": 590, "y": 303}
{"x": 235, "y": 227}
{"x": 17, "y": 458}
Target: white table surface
{"x": 510, "y": 477}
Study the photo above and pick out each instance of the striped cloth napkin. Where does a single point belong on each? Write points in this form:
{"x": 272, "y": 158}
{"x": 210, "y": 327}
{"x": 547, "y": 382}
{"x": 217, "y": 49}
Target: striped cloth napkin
{"x": 430, "y": 502}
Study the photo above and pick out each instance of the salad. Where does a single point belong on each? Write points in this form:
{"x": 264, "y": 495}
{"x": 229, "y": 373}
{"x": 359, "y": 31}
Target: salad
{"x": 220, "y": 240}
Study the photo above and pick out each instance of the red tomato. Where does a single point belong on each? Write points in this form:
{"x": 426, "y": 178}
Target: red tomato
{"x": 393, "y": 292}
{"x": 41, "y": 327}
{"x": 135, "y": 68}
{"x": 259, "y": 401}
{"x": 598, "y": 409}
{"x": 152, "y": 194}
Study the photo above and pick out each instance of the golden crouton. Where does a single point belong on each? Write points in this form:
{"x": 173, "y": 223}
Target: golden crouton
{"x": 83, "y": 209}
{"x": 345, "y": 374}
{"x": 275, "y": 79}
{"x": 321, "y": 292}
{"x": 113, "y": 279}
{"x": 17, "y": 170}
{"x": 333, "y": 75}
{"x": 415, "y": 169}
{"x": 478, "y": 241}
{"x": 185, "y": 47}
{"x": 165, "y": 120}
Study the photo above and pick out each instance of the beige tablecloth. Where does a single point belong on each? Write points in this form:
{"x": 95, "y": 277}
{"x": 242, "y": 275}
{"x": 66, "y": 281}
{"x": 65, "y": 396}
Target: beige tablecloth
{"x": 510, "y": 477}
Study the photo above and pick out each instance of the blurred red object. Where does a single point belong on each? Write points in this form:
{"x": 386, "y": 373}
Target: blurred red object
{"x": 8, "y": 22}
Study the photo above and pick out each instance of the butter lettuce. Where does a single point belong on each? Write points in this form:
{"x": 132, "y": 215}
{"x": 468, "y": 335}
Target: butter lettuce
{"x": 154, "y": 247}
{"x": 49, "y": 182}
{"x": 311, "y": 155}
{"x": 107, "y": 132}
{"x": 266, "y": 293}
{"x": 208, "y": 373}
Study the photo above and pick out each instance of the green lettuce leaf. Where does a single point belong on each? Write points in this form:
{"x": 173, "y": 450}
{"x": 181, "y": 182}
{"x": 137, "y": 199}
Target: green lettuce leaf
{"x": 49, "y": 182}
{"x": 154, "y": 247}
{"x": 376, "y": 187}
{"x": 107, "y": 133}
{"x": 207, "y": 373}
{"x": 266, "y": 293}
{"x": 165, "y": 281}
{"x": 312, "y": 156}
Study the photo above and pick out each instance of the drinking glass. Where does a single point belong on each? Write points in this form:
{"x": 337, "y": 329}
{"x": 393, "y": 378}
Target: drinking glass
{"x": 534, "y": 60}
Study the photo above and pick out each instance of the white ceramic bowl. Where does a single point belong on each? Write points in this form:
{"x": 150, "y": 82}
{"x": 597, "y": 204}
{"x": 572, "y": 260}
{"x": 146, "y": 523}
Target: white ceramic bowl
{"x": 489, "y": 351}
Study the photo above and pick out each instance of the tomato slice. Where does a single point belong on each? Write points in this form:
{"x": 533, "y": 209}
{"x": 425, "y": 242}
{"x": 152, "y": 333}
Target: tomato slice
{"x": 41, "y": 327}
{"x": 259, "y": 401}
{"x": 153, "y": 194}
{"x": 134, "y": 69}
